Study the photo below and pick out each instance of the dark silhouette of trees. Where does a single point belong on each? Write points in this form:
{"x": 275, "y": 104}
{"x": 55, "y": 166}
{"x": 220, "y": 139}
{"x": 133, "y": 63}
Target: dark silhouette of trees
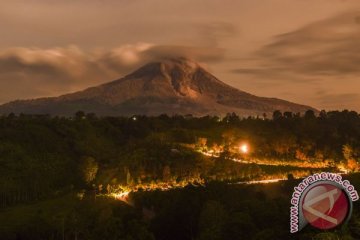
{"x": 277, "y": 115}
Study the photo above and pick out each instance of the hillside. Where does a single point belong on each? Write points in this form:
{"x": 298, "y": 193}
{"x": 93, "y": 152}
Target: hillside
{"x": 174, "y": 86}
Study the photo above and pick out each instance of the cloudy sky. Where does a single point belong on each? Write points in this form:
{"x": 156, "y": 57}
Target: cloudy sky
{"x": 306, "y": 51}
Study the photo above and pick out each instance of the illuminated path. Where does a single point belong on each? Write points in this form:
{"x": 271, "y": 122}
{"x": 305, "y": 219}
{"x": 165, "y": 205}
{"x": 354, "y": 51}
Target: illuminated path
{"x": 124, "y": 196}
{"x": 268, "y": 163}
{"x": 262, "y": 181}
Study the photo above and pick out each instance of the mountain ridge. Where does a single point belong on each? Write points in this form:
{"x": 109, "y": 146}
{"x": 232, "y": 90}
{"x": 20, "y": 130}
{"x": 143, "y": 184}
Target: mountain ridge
{"x": 171, "y": 86}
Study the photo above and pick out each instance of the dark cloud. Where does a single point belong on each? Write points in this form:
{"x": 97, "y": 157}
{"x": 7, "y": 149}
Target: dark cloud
{"x": 35, "y": 72}
{"x": 328, "y": 47}
{"x": 322, "y": 55}
{"x": 324, "y": 48}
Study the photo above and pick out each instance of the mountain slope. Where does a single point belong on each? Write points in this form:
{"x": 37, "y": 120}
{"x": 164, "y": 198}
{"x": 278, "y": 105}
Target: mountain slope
{"x": 174, "y": 86}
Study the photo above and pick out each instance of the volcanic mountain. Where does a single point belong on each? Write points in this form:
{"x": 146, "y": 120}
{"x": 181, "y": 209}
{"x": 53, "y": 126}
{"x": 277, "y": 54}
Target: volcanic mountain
{"x": 173, "y": 86}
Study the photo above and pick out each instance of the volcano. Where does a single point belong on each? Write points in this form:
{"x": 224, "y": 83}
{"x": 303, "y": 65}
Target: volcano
{"x": 172, "y": 86}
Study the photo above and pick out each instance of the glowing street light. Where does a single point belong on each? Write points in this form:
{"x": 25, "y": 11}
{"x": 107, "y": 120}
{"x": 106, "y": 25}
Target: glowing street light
{"x": 244, "y": 148}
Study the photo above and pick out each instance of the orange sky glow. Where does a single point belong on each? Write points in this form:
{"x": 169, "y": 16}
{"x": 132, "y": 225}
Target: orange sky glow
{"x": 305, "y": 51}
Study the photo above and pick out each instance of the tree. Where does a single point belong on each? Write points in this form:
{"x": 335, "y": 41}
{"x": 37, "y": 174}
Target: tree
{"x": 309, "y": 114}
{"x": 201, "y": 142}
{"x": 231, "y": 118}
{"x": 351, "y": 162}
{"x": 276, "y": 115}
{"x": 166, "y": 173}
{"x": 323, "y": 114}
{"x": 79, "y": 115}
{"x": 129, "y": 179}
{"x": 89, "y": 168}
{"x": 347, "y": 152}
{"x": 290, "y": 177}
{"x": 288, "y": 114}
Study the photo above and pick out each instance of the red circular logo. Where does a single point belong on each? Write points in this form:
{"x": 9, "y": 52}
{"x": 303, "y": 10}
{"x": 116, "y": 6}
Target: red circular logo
{"x": 325, "y": 206}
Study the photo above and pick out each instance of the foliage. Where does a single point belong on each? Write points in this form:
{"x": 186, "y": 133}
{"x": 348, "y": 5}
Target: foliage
{"x": 44, "y": 158}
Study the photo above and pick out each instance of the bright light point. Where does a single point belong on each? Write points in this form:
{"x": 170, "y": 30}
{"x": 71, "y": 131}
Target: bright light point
{"x": 244, "y": 148}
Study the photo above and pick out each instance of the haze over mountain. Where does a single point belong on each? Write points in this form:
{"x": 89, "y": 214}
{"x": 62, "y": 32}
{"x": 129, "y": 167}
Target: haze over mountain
{"x": 172, "y": 86}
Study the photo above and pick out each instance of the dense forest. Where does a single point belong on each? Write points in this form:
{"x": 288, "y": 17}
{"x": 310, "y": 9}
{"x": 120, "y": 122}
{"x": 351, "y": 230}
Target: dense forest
{"x": 56, "y": 174}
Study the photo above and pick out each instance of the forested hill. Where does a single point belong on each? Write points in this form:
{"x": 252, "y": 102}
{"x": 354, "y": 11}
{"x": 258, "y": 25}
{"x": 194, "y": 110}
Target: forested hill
{"x": 44, "y": 161}
{"x": 86, "y": 150}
